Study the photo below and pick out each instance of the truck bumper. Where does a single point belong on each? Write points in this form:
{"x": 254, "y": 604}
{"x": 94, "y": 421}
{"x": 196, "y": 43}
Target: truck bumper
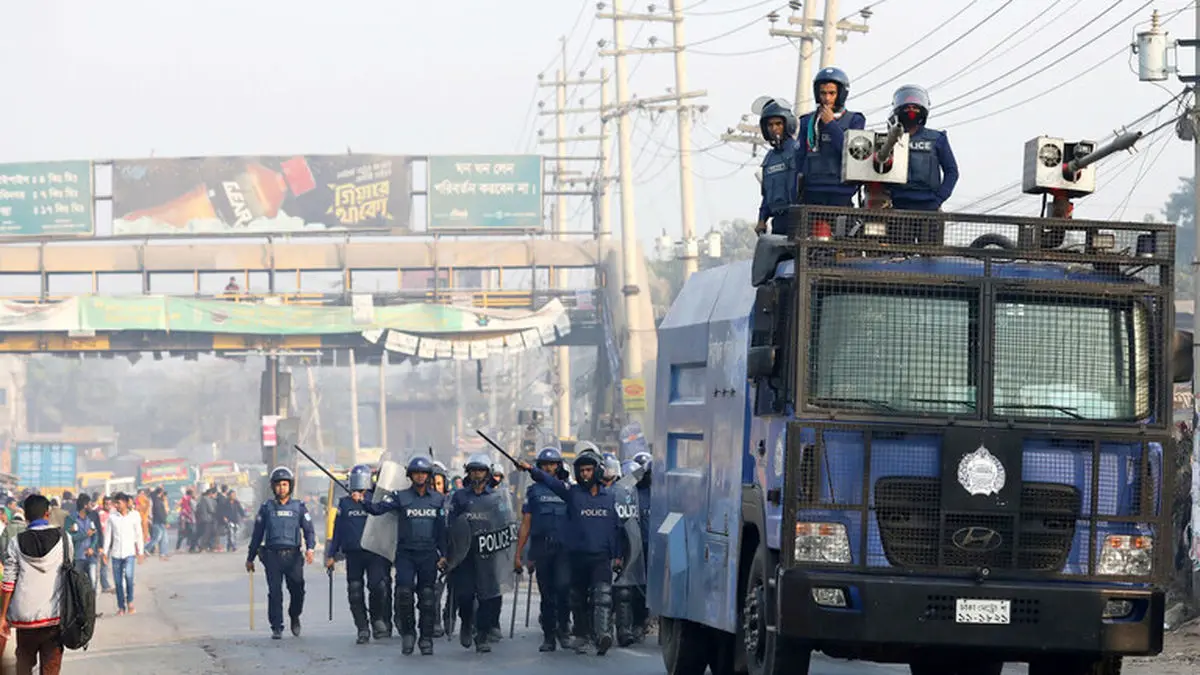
{"x": 911, "y": 614}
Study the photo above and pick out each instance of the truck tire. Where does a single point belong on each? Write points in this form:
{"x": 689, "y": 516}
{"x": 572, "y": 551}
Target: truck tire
{"x": 1105, "y": 665}
{"x": 767, "y": 652}
{"x": 685, "y": 646}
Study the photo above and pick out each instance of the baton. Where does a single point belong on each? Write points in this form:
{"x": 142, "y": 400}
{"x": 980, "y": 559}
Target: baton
{"x": 330, "y": 571}
{"x": 322, "y": 468}
{"x": 512, "y": 623}
{"x": 252, "y": 601}
{"x": 498, "y": 448}
{"x": 528, "y": 601}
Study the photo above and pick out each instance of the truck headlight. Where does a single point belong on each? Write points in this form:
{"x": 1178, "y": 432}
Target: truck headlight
{"x": 822, "y": 542}
{"x": 1126, "y": 556}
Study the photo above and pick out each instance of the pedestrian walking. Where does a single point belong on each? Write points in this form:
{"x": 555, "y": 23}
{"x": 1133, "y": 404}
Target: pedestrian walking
{"x": 32, "y": 588}
{"x": 124, "y": 547}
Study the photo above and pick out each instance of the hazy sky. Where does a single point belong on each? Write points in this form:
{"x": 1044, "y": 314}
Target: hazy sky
{"x": 124, "y": 78}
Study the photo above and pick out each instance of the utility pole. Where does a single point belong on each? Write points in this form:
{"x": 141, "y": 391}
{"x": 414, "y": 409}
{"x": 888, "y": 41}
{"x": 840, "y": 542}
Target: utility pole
{"x": 604, "y": 177}
{"x": 562, "y": 357}
{"x": 354, "y": 437}
{"x": 829, "y": 36}
{"x": 383, "y": 430}
{"x": 691, "y": 251}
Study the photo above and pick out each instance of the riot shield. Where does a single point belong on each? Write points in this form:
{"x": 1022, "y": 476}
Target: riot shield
{"x": 625, "y": 497}
{"x": 492, "y": 529}
{"x": 380, "y": 534}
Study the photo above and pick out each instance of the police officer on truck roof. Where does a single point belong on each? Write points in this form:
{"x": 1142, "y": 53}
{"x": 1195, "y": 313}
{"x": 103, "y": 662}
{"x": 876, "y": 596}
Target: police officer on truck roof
{"x": 822, "y": 136}
{"x": 780, "y": 167}
{"x": 348, "y": 529}
{"x": 544, "y": 526}
{"x": 595, "y": 548}
{"x": 932, "y": 169}
{"x": 277, "y": 532}
{"x": 420, "y": 551}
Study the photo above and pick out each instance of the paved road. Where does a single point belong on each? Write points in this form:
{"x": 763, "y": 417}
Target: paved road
{"x": 193, "y": 617}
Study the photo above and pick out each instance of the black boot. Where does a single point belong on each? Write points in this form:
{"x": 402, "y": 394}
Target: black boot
{"x": 602, "y": 617}
{"x": 426, "y": 646}
{"x": 364, "y": 636}
{"x": 296, "y": 626}
{"x": 623, "y": 615}
{"x": 438, "y": 630}
{"x": 407, "y": 642}
{"x": 466, "y": 624}
{"x": 406, "y": 620}
{"x": 381, "y": 610}
{"x": 481, "y": 642}
{"x": 358, "y": 608}
{"x": 548, "y": 643}
{"x": 428, "y": 613}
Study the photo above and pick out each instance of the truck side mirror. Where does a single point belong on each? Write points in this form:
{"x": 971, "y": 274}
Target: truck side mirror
{"x": 760, "y": 362}
{"x": 1181, "y": 356}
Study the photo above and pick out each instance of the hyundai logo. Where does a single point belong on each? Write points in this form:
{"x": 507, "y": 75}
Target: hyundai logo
{"x": 977, "y": 539}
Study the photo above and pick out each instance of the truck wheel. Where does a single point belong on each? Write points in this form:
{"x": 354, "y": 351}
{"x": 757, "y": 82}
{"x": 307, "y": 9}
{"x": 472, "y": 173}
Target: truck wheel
{"x": 685, "y": 647}
{"x": 1105, "y": 665}
{"x": 767, "y": 652}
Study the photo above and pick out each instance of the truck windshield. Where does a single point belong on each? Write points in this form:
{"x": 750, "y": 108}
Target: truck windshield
{"x": 903, "y": 352}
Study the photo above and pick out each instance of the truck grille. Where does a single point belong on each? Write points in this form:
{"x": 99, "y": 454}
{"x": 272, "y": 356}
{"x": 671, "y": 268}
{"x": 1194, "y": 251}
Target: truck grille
{"x": 915, "y": 533}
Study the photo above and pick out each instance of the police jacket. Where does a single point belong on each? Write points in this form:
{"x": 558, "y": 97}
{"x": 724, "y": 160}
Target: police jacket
{"x": 279, "y": 526}
{"x": 348, "y": 528}
{"x": 461, "y": 499}
{"x": 592, "y": 522}
{"x": 422, "y": 519}
{"x": 821, "y": 147}
{"x": 780, "y": 169}
{"x": 547, "y": 514}
{"x": 932, "y": 169}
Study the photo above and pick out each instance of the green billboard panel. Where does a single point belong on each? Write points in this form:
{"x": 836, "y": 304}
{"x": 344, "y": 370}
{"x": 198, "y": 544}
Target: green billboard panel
{"x": 39, "y": 199}
{"x": 484, "y": 192}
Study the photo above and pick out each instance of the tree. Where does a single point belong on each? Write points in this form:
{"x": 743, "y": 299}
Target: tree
{"x": 1180, "y": 209}
{"x": 666, "y": 276}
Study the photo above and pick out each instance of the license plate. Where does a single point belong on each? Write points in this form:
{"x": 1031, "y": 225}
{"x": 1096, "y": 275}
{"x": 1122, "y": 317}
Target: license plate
{"x": 987, "y": 612}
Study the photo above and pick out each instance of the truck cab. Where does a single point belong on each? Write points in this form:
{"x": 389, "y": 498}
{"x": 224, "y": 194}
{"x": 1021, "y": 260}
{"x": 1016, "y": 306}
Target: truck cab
{"x": 930, "y": 439}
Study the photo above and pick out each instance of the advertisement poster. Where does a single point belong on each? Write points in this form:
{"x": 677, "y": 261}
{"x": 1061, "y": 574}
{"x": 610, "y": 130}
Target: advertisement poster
{"x": 45, "y": 199}
{"x": 492, "y": 192}
{"x": 224, "y": 195}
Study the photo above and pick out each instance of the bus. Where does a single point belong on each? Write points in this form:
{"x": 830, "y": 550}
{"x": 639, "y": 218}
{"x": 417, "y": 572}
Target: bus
{"x": 221, "y": 472}
{"x": 173, "y": 475}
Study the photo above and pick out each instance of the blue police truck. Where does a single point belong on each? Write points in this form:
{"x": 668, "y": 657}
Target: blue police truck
{"x": 921, "y": 438}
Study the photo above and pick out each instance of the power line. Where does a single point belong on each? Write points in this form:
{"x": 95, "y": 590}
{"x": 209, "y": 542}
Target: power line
{"x": 760, "y": 50}
{"x": 731, "y": 31}
{"x": 862, "y": 9}
{"x": 1009, "y": 42}
{"x": 1051, "y": 48}
{"x": 953, "y": 42}
{"x": 919, "y": 40}
{"x": 720, "y": 12}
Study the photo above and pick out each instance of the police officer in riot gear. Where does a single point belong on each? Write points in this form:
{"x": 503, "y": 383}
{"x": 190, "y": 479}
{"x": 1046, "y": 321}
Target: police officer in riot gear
{"x": 277, "y": 536}
{"x": 497, "y": 475}
{"x": 347, "y": 539}
{"x": 420, "y": 551}
{"x": 629, "y": 595}
{"x": 932, "y": 169}
{"x": 594, "y": 545}
{"x": 441, "y": 485}
{"x": 475, "y": 623}
{"x": 612, "y": 470}
{"x": 641, "y": 609}
{"x": 780, "y": 167}
{"x": 545, "y": 520}
{"x": 822, "y": 134}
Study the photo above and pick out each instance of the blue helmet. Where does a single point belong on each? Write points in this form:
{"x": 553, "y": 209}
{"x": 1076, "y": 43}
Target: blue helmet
{"x": 439, "y": 469}
{"x": 911, "y": 94}
{"x": 419, "y": 464}
{"x": 588, "y": 458}
{"x": 774, "y": 109}
{"x": 282, "y": 473}
{"x": 836, "y": 76}
{"x": 549, "y": 455}
{"x": 612, "y": 468}
{"x": 360, "y": 478}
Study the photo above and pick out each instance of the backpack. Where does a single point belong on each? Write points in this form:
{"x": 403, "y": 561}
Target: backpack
{"x": 77, "y": 614}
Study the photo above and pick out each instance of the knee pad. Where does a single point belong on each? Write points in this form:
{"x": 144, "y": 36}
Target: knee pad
{"x": 356, "y": 591}
{"x": 623, "y": 594}
{"x": 404, "y": 597}
{"x": 602, "y": 595}
{"x": 427, "y": 597}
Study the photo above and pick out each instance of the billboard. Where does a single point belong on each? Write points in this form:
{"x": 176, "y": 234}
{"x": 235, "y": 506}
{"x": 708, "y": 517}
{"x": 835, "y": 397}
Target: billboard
{"x": 256, "y": 194}
{"x": 46, "y": 198}
{"x": 484, "y": 192}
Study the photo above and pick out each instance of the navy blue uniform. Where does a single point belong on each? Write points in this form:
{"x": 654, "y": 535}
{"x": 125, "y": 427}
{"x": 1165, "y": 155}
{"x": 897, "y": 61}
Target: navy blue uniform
{"x": 278, "y": 529}
{"x": 462, "y": 579}
{"x": 547, "y": 550}
{"x": 932, "y": 172}
{"x": 593, "y": 541}
{"x": 821, "y": 147}
{"x": 348, "y": 529}
{"x": 780, "y": 171}
{"x": 420, "y": 543}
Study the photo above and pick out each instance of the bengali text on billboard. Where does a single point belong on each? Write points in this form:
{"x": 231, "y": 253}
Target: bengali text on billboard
{"x": 496, "y": 192}
{"x": 226, "y": 195}
{"x": 46, "y": 198}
